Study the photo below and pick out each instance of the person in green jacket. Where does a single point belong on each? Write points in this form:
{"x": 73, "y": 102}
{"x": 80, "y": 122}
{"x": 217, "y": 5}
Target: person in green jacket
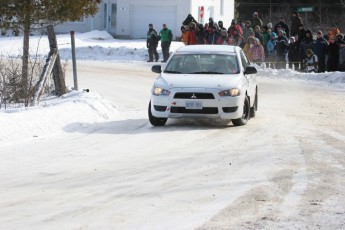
{"x": 166, "y": 37}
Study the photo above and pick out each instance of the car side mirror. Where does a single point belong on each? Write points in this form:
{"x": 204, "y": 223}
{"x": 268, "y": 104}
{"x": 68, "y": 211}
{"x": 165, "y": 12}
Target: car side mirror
{"x": 250, "y": 70}
{"x": 156, "y": 69}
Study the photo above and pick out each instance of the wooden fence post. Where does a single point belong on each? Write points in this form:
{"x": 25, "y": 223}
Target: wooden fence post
{"x": 58, "y": 74}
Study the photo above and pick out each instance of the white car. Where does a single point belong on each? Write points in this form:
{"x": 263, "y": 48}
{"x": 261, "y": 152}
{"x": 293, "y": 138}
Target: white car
{"x": 204, "y": 81}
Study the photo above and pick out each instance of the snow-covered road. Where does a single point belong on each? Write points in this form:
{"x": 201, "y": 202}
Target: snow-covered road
{"x": 283, "y": 170}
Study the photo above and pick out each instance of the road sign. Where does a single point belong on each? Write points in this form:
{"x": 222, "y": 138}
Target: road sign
{"x": 305, "y": 9}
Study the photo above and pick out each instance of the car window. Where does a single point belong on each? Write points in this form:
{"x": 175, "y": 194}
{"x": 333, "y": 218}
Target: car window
{"x": 203, "y": 64}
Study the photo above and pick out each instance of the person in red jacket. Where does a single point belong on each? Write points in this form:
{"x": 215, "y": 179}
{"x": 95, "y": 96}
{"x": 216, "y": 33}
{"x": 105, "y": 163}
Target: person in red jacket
{"x": 233, "y": 27}
{"x": 192, "y": 38}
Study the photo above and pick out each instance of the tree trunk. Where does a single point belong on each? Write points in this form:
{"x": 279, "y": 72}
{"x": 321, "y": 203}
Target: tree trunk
{"x": 25, "y": 64}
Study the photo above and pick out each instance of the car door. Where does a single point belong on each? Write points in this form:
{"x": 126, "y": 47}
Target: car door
{"x": 251, "y": 78}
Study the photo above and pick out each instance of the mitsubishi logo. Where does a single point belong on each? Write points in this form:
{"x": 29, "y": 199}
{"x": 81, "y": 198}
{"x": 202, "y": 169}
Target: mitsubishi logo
{"x": 193, "y": 96}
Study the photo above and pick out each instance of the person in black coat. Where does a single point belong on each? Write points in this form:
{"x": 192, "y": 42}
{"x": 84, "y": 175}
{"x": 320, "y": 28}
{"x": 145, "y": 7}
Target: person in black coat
{"x": 293, "y": 54}
{"x": 300, "y": 34}
{"x": 152, "y": 43}
{"x": 281, "y": 49}
{"x": 320, "y": 50}
{"x": 295, "y": 23}
{"x": 306, "y": 43}
{"x": 333, "y": 55}
{"x": 188, "y": 20}
{"x": 282, "y": 25}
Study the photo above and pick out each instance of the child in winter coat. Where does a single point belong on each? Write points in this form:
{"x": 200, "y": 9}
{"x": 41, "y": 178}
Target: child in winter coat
{"x": 271, "y": 50}
{"x": 310, "y": 63}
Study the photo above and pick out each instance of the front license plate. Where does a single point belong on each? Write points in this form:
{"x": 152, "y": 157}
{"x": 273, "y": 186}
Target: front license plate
{"x": 193, "y": 105}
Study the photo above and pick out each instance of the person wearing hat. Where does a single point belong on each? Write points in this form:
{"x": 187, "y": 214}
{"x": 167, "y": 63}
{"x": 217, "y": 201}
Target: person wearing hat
{"x": 152, "y": 43}
{"x": 239, "y": 40}
{"x": 256, "y": 20}
{"x": 301, "y": 34}
{"x": 210, "y": 22}
{"x": 184, "y": 35}
{"x": 257, "y": 52}
{"x": 192, "y": 38}
{"x": 340, "y": 39}
{"x": 166, "y": 38}
{"x": 266, "y": 33}
{"x": 213, "y": 34}
{"x": 201, "y": 34}
{"x": 249, "y": 44}
{"x": 281, "y": 25}
{"x": 306, "y": 43}
{"x": 320, "y": 46}
{"x": 223, "y": 39}
{"x": 234, "y": 26}
{"x": 333, "y": 53}
{"x": 310, "y": 62}
{"x": 295, "y": 22}
{"x": 247, "y": 30}
{"x": 188, "y": 20}
{"x": 293, "y": 54}
{"x": 271, "y": 50}
{"x": 281, "y": 50}
{"x": 220, "y": 25}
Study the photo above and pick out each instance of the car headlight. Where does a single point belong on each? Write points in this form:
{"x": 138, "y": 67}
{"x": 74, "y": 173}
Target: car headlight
{"x": 160, "y": 91}
{"x": 230, "y": 93}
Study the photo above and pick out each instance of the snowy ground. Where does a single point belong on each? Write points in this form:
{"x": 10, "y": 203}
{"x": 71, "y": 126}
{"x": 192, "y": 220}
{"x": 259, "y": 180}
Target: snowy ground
{"x": 92, "y": 161}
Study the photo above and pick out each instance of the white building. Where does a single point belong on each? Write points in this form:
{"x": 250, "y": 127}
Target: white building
{"x": 130, "y": 18}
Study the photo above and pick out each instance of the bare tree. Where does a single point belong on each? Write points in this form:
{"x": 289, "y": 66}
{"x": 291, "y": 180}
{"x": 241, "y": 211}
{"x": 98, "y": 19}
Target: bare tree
{"x": 25, "y": 15}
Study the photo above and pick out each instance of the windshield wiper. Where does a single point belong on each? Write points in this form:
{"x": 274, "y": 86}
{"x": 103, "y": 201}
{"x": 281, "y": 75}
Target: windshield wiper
{"x": 171, "y": 71}
{"x": 206, "y": 72}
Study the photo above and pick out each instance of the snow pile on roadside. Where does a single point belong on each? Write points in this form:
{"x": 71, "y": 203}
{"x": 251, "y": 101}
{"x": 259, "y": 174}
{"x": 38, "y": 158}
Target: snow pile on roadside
{"x": 332, "y": 78}
{"x": 52, "y": 115}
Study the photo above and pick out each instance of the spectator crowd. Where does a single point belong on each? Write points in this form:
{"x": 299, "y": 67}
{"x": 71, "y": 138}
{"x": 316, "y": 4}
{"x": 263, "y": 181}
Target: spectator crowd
{"x": 277, "y": 46}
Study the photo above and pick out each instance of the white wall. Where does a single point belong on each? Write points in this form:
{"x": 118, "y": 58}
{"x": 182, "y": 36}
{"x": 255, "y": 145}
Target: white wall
{"x": 124, "y": 27}
{"x": 226, "y": 17}
{"x": 183, "y": 8}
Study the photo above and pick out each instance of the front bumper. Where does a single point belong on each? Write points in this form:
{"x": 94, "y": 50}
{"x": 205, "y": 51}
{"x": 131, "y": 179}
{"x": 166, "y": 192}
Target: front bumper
{"x": 213, "y": 105}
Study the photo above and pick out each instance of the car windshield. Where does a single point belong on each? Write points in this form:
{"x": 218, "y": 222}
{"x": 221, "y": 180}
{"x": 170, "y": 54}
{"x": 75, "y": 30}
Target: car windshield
{"x": 203, "y": 64}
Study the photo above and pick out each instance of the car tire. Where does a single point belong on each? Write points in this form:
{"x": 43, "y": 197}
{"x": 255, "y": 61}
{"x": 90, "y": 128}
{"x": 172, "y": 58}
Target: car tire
{"x": 245, "y": 116}
{"x": 156, "y": 121}
{"x": 255, "y": 105}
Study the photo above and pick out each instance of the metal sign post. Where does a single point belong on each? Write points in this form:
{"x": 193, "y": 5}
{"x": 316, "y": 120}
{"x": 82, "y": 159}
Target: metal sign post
{"x": 75, "y": 79}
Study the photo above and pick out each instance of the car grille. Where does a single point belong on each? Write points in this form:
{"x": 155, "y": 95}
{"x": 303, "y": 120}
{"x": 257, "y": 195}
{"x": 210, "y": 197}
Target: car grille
{"x": 205, "y": 110}
{"x": 194, "y": 96}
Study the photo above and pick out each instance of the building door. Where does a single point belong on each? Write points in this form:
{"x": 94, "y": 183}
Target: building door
{"x": 110, "y": 16}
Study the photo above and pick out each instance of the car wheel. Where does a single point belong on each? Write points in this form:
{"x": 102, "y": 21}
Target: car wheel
{"x": 245, "y": 116}
{"x": 156, "y": 121}
{"x": 255, "y": 105}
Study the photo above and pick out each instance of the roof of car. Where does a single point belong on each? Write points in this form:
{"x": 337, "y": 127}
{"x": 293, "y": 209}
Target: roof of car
{"x": 208, "y": 48}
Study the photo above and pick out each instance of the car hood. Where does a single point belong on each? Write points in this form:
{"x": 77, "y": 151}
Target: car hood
{"x": 217, "y": 81}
